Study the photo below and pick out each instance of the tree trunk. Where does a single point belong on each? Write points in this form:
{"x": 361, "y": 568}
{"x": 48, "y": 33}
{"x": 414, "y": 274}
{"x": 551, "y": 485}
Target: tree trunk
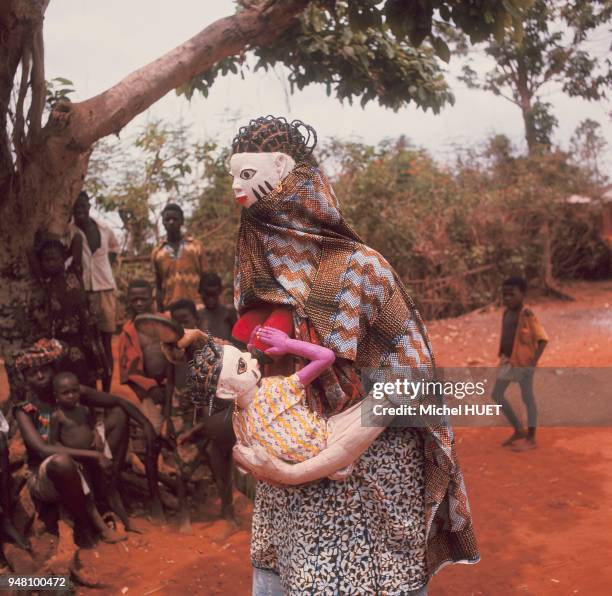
{"x": 525, "y": 94}
{"x": 549, "y": 283}
{"x": 38, "y": 187}
{"x": 530, "y": 132}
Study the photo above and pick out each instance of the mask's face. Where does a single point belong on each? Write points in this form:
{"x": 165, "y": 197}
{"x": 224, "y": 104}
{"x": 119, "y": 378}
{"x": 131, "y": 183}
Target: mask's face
{"x": 256, "y": 174}
{"x": 239, "y": 373}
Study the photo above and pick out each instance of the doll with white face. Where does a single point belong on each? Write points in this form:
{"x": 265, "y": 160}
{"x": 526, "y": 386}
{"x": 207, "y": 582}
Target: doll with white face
{"x": 239, "y": 377}
{"x": 271, "y": 411}
{"x": 275, "y": 428}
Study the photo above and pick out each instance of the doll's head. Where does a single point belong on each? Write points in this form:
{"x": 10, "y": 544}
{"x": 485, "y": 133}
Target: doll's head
{"x": 264, "y": 152}
{"x": 223, "y": 371}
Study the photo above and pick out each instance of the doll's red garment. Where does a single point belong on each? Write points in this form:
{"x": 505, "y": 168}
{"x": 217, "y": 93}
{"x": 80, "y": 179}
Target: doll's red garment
{"x": 278, "y": 317}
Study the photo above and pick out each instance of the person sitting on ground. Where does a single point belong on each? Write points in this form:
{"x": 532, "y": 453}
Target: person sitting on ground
{"x": 53, "y": 471}
{"x": 142, "y": 364}
{"x": 215, "y": 424}
{"x": 7, "y": 527}
{"x": 215, "y": 318}
{"x": 523, "y": 341}
{"x": 178, "y": 261}
{"x": 75, "y": 426}
{"x": 60, "y": 310}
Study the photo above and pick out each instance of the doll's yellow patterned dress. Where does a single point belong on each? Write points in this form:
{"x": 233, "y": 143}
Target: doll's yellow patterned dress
{"x": 279, "y": 420}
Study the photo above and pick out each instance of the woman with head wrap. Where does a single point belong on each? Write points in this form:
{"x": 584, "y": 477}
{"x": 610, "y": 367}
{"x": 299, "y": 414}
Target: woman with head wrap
{"x": 403, "y": 512}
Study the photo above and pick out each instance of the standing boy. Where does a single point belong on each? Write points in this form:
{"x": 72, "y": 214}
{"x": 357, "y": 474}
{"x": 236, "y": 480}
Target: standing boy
{"x": 216, "y": 318}
{"x": 523, "y": 340}
{"x": 98, "y": 250}
{"x": 215, "y": 424}
{"x": 178, "y": 261}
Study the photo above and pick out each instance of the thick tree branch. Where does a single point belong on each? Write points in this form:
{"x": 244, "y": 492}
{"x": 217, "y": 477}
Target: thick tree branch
{"x": 112, "y": 110}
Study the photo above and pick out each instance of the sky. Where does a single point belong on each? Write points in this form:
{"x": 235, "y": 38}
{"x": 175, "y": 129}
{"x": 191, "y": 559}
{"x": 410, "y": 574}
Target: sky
{"x": 96, "y": 44}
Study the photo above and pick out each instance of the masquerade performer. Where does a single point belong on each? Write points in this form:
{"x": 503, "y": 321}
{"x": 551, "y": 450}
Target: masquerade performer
{"x": 403, "y": 512}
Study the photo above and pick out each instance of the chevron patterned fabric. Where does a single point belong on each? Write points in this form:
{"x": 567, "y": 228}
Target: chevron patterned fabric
{"x": 295, "y": 248}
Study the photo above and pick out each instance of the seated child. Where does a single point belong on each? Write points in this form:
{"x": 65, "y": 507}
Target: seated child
{"x": 142, "y": 364}
{"x": 73, "y": 425}
{"x": 272, "y": 413}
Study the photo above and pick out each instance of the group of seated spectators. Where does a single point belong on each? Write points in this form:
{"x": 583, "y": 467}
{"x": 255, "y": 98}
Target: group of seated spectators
{"x": 77, "y": 438}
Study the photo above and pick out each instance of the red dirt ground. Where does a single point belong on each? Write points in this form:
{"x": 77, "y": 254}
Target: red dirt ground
{"x": 542, "y": 517}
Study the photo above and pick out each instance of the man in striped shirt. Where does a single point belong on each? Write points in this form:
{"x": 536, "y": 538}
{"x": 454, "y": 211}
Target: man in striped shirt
{"x": 178, "y": 262}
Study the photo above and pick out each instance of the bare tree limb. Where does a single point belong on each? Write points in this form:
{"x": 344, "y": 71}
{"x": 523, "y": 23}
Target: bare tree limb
{"x": 19, "y": 127}
{"x": 38, "y": 83}
{"x": 113, "y": 109}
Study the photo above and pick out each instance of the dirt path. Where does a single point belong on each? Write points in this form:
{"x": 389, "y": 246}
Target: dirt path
{"x": 542, "y": 517}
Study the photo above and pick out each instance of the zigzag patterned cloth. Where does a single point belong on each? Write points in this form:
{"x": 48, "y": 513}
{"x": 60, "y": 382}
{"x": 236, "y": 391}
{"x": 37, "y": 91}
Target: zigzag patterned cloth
{"x": 295, "y": 248}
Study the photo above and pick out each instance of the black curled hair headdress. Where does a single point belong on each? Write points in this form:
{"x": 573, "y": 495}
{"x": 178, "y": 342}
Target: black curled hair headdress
{"x": 268, "y": 134}
{"x": 204, "y": 371}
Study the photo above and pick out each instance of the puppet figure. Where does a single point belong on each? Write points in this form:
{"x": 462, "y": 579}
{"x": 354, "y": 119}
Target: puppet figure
{"x": 272, "y": 412}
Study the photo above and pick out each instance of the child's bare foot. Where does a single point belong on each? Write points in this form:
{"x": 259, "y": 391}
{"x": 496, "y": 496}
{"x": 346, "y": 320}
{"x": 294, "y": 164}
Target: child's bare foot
{"x": 185, "y": 523}
{"x": 111, "y": 536}
{"x": 516, "y": 436}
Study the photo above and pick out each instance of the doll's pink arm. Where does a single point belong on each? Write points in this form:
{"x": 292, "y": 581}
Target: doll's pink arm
{"x": 321, "y": 358}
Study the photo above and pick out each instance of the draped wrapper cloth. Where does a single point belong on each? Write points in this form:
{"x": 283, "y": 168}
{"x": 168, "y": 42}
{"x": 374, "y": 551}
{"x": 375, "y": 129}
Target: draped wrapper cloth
{"x": 294, "y": 248}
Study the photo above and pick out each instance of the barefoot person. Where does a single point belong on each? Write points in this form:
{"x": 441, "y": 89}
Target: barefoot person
{"x": 214, "y": 423}
{"x": 53, "y": 472}
{"x": 73, "y": 425}
{"x": 403, "y": 511}
{"x": 522, "y": 343}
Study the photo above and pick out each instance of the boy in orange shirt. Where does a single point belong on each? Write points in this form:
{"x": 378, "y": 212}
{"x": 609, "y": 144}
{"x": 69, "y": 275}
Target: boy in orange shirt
{"x": 523, "y": 340}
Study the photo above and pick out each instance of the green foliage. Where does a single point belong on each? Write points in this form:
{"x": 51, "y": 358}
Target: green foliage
{"x": 587, "y": 145}
{"x": 370, "y": 49}
{"x": 551, "y": 50}
{"x": 58, "y": 89}
{"x": 453, "y": 233}
{"x": 135, "y": 180}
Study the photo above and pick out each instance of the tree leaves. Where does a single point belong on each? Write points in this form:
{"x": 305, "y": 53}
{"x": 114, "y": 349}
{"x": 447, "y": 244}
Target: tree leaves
{"x": 375, "y": 50}
{"x": 549, "y": 49}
